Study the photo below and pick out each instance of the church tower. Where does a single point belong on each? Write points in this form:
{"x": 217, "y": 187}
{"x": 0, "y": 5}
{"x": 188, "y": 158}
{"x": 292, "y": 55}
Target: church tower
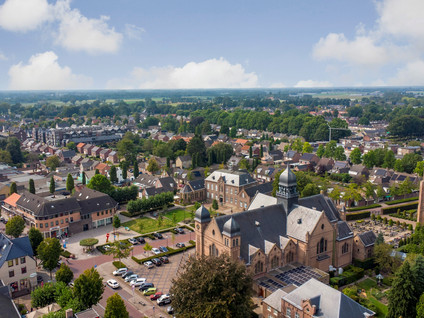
{"x": 287, "y": 189}
{"x": 420, "y": 211}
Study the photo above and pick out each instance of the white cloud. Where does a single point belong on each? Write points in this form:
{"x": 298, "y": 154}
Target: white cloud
{"x": 362, "y": 50}
{"x": 411, "y": 74}
{"x": 3, "y": 57}
{"x": 212, "y": 73}
{"x": 43, "y": 72}
{"x": 24, "y": 15}
{"x": 79, "y": 33}
{"x": 134, "y": 32}
{"x": 313, "y": 84}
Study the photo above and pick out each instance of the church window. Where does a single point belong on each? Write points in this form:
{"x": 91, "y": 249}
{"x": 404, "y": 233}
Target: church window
{"x": 322, "y": 226}
{"x": 213, "y": 232}
{"x": 290, "y": 257}
{"x": 288, "y": 312}
{"x": 213, "y": 251}
{"x": 236, "y": 242}
{"x": 322, "y": 246}
{"x": 275, "y": 261}
{"x": 259, "y": 267}
{"x": 345, "y": 248}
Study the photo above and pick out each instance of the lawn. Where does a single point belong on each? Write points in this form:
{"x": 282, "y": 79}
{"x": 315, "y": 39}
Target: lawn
{"x": 147, "y": 225}
{"x": 382, "y": 309}
{"x": 180, "y": 215}
{"x": 370, "y": 286}
{"x": 367, "y": 284}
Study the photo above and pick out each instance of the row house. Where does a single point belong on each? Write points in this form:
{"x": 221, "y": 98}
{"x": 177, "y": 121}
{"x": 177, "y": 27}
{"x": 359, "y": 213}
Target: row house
{"x": 84, "y": 210}
{"x": 309, "y": 159}
{"x": 264, "y": 173}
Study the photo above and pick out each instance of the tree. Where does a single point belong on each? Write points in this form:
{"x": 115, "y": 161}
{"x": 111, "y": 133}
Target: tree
{"x": 215, "y": 204}
{"x": 84, "y": 179}
{"x": 119, "y": 250}
{"x": 35, "y": 238}
{"x": 52, "y": 186}
{"x": 356, "y": 156}
{"x": 31, "y": 186}
{"x": 13, "y": 188}
{"x": 420, "y": 307}
{"x": 70, "y": 183}
{"x": 96, "y": 171}
{"x": 71, "y": 146}
{"x": 307, "y": 148}
{"x": 15, "y": 226}
{"x": 126, "y": 149}
{"x": 116, "y": 222}
{"x": 152, "y": 166}
{"x": 49, "y": 253}
{"x": 320, "y": 151}
{"x": 115, "y": 307}
{"x": 160, "y": 220}
{"x": 213, "y": 287}
{"x": 5, "y": 157}
{"x": 419, "y": 169}
{"x": 310, "y": 189}
{"x": 52, "y": 162}
{"x": 136, "y": 172}
{"x": 64, "y": 274}
{"x": 418, "y": 271}
{"x": 124, "y": 166}
{"x": 402, "y": 297}
{"x": 197, "y": 146}
{"x": 100, "y": 183}
{"x": 233, "y": 132}
{"x": 13, "y": 146}
{"x": 43, "y": 296}
{"x": 382, "y": 257}
{"x": 88, "y": 287}
{"x": 112, "y": 174}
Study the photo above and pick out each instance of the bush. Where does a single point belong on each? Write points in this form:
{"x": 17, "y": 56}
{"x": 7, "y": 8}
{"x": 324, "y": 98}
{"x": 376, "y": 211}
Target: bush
{"x": 357, "y": 215}
{"x": 127, "y": 214}
{"x": 369, "y": 263}
{"x": 360, "y": 208}
{"x": 170, "y": 252}
{"x": 65, "y": 253}
{"x": 401, "y": 201}
{"x": 401, "y": 208}
{"x": 118, "y": 264}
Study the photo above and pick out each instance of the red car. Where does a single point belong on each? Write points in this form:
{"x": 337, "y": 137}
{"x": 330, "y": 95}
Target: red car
{"x": 155, "y": 296}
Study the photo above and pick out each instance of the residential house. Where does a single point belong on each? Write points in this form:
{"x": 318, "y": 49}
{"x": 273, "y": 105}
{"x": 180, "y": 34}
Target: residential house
{"x": 76, "y": 160}
{"x": 363, "y": 245}
{"x": 380, "y": 176}
{"x": 359, "y": 170}
{"x": 66, "y": 155}
{"x": 183, "y": 162}
{"x": 80, "y": 147}
{"x": 17, "y": 264}
{"x": 247, "y": 195}
{"x": 264, "y": 173}
{"x": 113, "y": 157}
{"x": 87, "y": 149}
{"x": 95, "y": 152}
{"x": 104, "y": 154}
{"x": 193, "y": 191}
{"x": 292, "y": 156}
{"x": 340, "y": 167}
{"x": 324, "y": 165}
{"x": 103, "y": 168}
{"x": 309, "y": 159}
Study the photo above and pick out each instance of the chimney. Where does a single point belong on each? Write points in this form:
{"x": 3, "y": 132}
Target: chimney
{"x": 69, "y": 313}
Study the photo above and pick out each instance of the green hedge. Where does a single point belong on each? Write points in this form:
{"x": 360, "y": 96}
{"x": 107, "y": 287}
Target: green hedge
{"x": 127, "y": 214}
{"x": 351, "y": 275}
{"x": 360, "y": 208}
{"x": 169, "y": 253}
{"x": 365, "y": 264}
{"x": 66, "y": 254}
{"x": 118, "y": 264}
{"x": 401, "y": 201}
{"x": 403, "y": 207}
{"x": 357, "y": 215}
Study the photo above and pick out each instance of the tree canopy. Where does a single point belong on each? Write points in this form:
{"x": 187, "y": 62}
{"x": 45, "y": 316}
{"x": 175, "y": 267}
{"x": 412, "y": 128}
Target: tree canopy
{"x": 115, "y": 307}
{"x": 88, "y": 287}
{"x": 100, "y": 183}
{"x": 15, "y": 226}
{"x": 49, "y": 253}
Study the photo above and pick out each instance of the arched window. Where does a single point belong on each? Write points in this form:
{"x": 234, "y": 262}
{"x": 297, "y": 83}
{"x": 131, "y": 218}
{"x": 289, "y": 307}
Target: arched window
{"x": 345, "y": 248}
{"x": 289, "y": 257}
{"x": 322, "y": 246}
{"x": 213, "y": 251}
{"x": 259, "y": 267}
{"x": 275, "y": 262}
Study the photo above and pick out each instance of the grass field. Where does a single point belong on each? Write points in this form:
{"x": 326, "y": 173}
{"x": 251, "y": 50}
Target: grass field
{"x": 180, "y": 215}
{"x": 147, "y": 225}
{"x": 367, "y": 284}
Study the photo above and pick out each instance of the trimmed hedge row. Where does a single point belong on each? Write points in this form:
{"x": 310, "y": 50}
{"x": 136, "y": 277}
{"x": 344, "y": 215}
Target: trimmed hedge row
{"x": 357, "y": 215}
{"x": 401, "y": 201}
{"x": 170, "y": 252}
{"x": 118, "y": 264}
{"x": 360, "y": 208}
{"x": 404, "y": 207}
{"x": 368, "y": 263}
{"x": 351, "y": 275}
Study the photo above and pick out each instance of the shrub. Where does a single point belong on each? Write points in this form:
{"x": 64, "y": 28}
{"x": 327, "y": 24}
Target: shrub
{"x": 127, "y": 214}
{"x": 357, "y": 215}
{"x": 65, "y": 253}
{"x": 401, "y": 208}
{"x": 170, "y": 252}
{"x": 360, "y": 208}
{"x": 401, "y": 201}
{"x": 365, "y": 264}
{"x": 118, "y": 264}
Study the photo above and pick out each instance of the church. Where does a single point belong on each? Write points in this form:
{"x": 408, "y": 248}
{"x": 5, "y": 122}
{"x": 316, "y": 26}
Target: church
{"x": 275, "y": 232}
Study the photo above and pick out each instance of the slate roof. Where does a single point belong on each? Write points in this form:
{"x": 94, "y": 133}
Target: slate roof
{"x": 236, "y": 178}
{"x": 8, "y": 307}
{"x": 262, "y": 200}
{"x": 185, "y": 158}
{"x": 194, "y": 185}
{"x": 329, "y": 302}
{"x": 320, "y": 202}
{"x": 15, "y": 248}
{"x": 308, "y": 156}
{"x": 368, "y": 238}
{"x": 91, "y": 201}
{"x": 153, "y": 191}
{"x": 260, "y": 188}
{"x": 257, "y": 226}
{"x": 290, "y": 154}
{"x": 343, "y": 231}
{"x": 274, "y": 300}
{"x": 302, "y": 220}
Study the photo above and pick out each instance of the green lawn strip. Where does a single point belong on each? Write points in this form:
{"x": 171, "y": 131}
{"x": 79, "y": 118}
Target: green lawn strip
{"x": 382, "y": 309}
{"x": 180, "y": 214}
{"x": 367, "y": 284}
{"x": 149, "y": 225}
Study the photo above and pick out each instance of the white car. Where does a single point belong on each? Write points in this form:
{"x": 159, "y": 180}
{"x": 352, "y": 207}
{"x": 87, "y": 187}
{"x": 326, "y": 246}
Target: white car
{"x": 131, "y": 277}
{"x": 137, "y": 282}
{"x": 113, "y": 283}
{"x": 120, "y": 271}
{"x": 156, "y": 250}
{"x": 149, "y": 264}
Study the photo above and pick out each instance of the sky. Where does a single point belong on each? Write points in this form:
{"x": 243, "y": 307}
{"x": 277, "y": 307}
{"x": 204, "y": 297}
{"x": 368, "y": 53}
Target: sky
{"x": 169, "y": 44}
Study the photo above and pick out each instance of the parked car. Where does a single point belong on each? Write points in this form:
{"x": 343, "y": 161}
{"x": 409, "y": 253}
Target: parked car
{"x": 150, "y": 291}
{"x": 164, "y": 259}
{"x": 131, "y": 277}
{"x": 179, "y": 230}
{"x": 158, "y": 235}
{"x": 148, "y": 264}
{"x": 126, "y": 274}
{"x": 163, "y": 249}
{"x": 113, "y": 283}
{"x": 170, "y": 310}
{"x": 179, "y": 245}
{"x": 156, "y": 261}
{"x": 133, "y": 241}
{"x": 106, "y": 247}
{"x": 146, "y": 286}
{"x": 141, "y": 240}
{"x": 137, "y": 282}
{"x": 120, "y": 271}
{"x": 156, "y": 251}
{"x": 156, "y": 296}
{"x": 164, "y": 300}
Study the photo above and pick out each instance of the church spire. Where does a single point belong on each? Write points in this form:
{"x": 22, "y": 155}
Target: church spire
{"x": 287, "y": 189}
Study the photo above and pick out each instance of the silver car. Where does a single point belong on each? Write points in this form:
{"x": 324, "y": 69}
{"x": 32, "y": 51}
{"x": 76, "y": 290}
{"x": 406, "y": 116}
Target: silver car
{"x": 131, "y": 277}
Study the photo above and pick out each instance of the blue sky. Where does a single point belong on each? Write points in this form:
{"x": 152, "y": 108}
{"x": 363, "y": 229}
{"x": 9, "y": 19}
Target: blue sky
{"x": 97, "y": 44}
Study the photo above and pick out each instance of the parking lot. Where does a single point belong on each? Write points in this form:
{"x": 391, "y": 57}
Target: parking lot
{"x": 160, "y": 276}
